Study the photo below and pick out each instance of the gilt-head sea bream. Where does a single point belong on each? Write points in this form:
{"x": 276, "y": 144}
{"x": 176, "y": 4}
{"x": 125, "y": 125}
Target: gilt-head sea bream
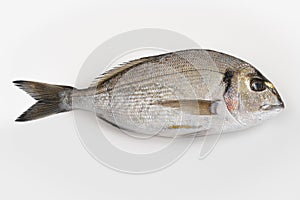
{"x": 176, "y": 93}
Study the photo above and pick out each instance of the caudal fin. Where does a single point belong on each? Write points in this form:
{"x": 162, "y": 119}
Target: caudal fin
{"x": 51, "y": 99}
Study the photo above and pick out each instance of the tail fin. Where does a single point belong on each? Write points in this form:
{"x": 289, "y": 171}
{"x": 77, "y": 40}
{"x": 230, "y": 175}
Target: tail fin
{"x": 51, "y": 99}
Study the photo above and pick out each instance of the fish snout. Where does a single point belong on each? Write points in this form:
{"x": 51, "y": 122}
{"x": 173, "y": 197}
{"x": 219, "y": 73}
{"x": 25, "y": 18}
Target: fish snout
{"x": 279, "y": 105}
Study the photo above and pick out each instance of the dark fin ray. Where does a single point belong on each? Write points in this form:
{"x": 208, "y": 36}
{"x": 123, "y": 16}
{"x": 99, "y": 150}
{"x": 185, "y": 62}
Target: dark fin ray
{"x": 51, "y": 99}
{"x": 40, "y": 110}
{"x": 121, "y": 69}
{"x": 42, "y": 91}
{"x": 194, "y": 107}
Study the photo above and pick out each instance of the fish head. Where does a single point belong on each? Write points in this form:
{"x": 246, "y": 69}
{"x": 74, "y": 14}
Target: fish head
{"x": 252, "y": 98}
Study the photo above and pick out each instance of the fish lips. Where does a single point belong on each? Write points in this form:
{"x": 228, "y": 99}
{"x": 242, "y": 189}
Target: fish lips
{"x": 277, "y": 107}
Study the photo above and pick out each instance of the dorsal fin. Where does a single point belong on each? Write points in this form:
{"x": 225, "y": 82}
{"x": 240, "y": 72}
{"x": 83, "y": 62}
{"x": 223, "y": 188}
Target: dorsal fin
{"x": 121, "y": 68}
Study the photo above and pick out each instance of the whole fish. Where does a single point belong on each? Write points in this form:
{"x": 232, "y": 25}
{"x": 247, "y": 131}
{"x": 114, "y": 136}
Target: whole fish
{"x": 177, "y": 93}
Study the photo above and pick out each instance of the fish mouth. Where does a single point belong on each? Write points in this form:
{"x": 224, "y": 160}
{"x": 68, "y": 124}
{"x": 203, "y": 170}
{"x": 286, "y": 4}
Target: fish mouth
{"x": 277, "y": 107}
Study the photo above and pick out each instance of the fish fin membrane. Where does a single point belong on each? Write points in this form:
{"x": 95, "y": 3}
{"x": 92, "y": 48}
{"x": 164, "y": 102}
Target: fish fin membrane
{"x": 51, "y": 99}
{"x": 194, "y": 107}
{"x": 122, "y": 68}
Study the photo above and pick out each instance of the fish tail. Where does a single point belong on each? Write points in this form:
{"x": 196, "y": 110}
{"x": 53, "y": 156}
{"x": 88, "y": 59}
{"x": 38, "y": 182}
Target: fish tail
{"x": 51, "y": 99}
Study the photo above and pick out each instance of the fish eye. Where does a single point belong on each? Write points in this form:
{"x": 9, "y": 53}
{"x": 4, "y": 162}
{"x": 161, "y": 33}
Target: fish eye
{"x": 257, "y": 85}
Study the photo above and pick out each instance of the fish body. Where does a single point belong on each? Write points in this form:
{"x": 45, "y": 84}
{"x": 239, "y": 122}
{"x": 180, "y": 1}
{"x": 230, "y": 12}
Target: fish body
{"x": 177, "y": 93}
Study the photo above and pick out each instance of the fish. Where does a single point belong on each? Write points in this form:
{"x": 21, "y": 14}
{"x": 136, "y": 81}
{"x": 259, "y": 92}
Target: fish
{"x": 178, "y": 93}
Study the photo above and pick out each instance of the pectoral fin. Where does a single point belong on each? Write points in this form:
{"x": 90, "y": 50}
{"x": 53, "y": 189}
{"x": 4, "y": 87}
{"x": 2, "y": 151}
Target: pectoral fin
{"x": 194, "y": 107}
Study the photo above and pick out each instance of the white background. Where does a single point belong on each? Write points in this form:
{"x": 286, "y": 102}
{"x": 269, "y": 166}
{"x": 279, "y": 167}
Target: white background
{"x": 49, "y": 41}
